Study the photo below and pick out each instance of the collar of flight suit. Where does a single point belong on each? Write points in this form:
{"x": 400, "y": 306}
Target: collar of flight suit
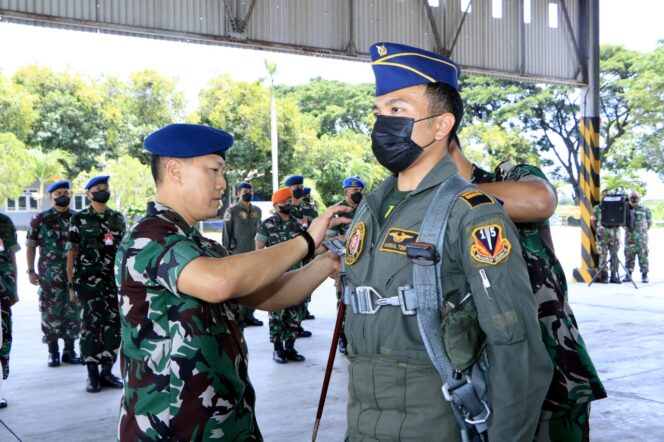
{"x": 444, "y": 169}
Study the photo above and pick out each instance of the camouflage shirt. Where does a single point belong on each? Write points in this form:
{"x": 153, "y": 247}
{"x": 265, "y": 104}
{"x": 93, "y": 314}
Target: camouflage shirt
{"x": 184, "y": 361}
{"x": 240, "y": 226}
{"x": 275, "y": 230}
{"x": 642, "y": 216}
{"x": 48, "y": 230}
{"x": 96, "y": 237}
{"x": 575, "y": 379}
{"x": 8, "y": 248}
{"x": 305, "y": 213}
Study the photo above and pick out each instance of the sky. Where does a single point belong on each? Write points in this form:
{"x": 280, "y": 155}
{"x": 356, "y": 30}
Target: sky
{"x": 635, "y": 24}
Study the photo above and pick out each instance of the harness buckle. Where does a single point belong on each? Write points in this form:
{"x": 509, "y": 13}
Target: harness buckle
{"x": 364, "y": 295}
{"x": 402, "y": 301}
{"x": 467, "y": 417}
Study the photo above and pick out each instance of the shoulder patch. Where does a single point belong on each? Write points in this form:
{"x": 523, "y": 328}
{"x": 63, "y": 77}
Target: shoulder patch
{"x": 475, "y": 198}
{"x": 227, "y": 215}
{"x": 355, "y": 243}
{"x": 489, "y": 246}
{"x": 396, "y": 240}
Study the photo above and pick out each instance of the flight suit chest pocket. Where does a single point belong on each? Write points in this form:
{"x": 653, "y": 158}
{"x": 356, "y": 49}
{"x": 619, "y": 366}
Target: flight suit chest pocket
{"x": 497, "y": 308}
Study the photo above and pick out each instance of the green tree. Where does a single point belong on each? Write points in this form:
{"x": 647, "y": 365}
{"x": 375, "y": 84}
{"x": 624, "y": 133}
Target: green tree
{"x": 69, "y": 113}
{"x": 334, "y": 158}
{"x": 149, "y": 101}
{"x": 16, "y": 109}
{"x": 646, "y": 93}
{"x": 13, "y": 158}
{"x": 243, "y": 109}
{"x": 47, "y": 167}
{"x": 335, "y": 106}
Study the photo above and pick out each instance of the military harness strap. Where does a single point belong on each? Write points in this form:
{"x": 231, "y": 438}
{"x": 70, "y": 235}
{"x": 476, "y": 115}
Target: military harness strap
{"x": 466, "y": 391}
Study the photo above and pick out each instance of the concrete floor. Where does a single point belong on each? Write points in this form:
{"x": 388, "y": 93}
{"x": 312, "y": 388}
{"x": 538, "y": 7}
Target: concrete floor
{"x": 623, "y": 328}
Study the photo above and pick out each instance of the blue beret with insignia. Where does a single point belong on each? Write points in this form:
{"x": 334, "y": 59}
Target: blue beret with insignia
{"x": 64, "y": 184}
{"x": 101, "y": 179}
{"x": 245, "y": 185}
{"x": 181, "y": 140}
{"x": 307, "y": 190}
{"x": 353, "y": 181}
{"x": 294, "y": 180}
{"x": 399, "y": 66}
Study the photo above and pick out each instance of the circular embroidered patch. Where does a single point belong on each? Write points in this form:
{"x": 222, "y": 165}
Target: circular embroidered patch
{"x": 355, "y": 243}
{"x": 243, "y": 214}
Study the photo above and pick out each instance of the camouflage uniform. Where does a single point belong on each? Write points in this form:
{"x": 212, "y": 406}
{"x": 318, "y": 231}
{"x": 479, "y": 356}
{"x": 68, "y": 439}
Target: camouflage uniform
{"x": 59, "y": 316}
{"x": 94, "y": 281}
{"x": 607, "y": 242}
{"x": 184, "y": 361}
{"x": 636, "y": 239}
{"x": 575, "y": 384}
{"x": 8, "y": 294}
{"x": 272, "y": 231}
{"x": 240, "y": 226}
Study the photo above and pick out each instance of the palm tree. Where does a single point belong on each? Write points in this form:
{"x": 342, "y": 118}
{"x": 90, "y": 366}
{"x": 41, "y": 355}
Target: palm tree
{"x": 47, "y": 167}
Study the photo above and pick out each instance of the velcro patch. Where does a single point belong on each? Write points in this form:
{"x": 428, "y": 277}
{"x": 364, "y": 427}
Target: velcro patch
{"x": 355, "y": 243}
{"x": 475, "y": 198}
{"x": 489, "y": 246}
{"x": 397, "y": 240}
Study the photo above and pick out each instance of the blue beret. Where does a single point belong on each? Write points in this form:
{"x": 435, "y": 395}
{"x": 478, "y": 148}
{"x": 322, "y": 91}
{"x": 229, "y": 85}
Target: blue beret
{"x": 399, "y": 66}
{"x": 64, "y": 184}
{"x": 244, "y": 185}
{"x": 294, "y": 180}
{"x": 307, "y": 190}
{"x": 101, "y": 179}
{"x": 188, "y": 140}
{"x": 353, "y": 181}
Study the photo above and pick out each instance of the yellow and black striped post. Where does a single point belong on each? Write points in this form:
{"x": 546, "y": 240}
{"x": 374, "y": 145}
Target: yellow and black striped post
{"x": 589, "y": 182}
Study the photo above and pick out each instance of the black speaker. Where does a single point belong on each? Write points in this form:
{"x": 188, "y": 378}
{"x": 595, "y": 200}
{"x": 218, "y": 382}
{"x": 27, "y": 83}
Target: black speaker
{"x": 615, "y": 210}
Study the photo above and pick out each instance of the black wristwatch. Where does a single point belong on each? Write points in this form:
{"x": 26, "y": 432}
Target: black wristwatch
{"x": 31, "y": 271}
{"x": 70, "y": 285}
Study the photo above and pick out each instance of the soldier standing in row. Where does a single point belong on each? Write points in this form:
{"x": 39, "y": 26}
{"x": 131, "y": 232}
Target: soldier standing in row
{"x": 529, "y": 200}
{"x": 279, "y": 228}
{"x": 636, "y": 237}
{"x": 305, "y": 213}
{"x": 8, "y": 293}
{"x": 240, "y": 224}
{"x": 353, "y": 188}
{"x": 94, "y": 236}
{"x": 607, "y": 243}
{"x": 59, "y": 315}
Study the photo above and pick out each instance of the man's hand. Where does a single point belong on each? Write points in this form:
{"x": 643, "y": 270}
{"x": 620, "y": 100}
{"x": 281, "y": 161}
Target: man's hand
{"x": 327, "y": 220}
{"x": 72, "y": 296}
{"x": 34, "y": 278}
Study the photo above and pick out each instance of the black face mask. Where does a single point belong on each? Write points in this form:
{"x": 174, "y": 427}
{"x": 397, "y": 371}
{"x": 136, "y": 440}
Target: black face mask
{"x": 101, "y": 196}
{"x": 391, "y": 142}
{"x": 356, "y": 197}
{"x": 298, "y": 193}
{"x": 246, "y": 197}
{"x": 62, "y": 201}
{"x": 285, "y": 209}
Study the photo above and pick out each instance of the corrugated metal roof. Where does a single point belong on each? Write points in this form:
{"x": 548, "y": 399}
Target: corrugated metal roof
{"x": 503, "y": 46}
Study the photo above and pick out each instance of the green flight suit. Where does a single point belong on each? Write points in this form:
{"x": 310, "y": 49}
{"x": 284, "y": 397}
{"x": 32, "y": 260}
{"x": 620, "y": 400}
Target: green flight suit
{"x": 240, "y": 225}
{"x": 394, "y": 390}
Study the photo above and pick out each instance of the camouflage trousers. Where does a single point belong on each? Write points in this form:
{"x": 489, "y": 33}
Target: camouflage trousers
{"x": 100, "y": 322}
{"x": 5, "y": 348}
{"x": 571, "y": 425}
{"x": 636, "y": 245}
{"x": 59, "y": 316}
{"x": 607, "y": 246}
{"x": 284, "y": 323}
